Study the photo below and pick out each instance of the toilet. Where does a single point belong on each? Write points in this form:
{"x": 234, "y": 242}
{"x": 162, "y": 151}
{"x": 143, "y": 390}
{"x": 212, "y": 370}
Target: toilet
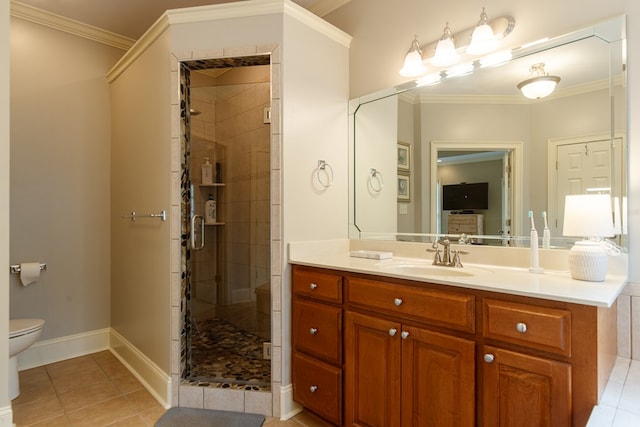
{"x": 22, "y": 334}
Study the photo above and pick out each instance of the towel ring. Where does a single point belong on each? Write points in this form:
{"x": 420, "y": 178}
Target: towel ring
{"x": 328, "y": 172}
{"x": 377, "y": 175}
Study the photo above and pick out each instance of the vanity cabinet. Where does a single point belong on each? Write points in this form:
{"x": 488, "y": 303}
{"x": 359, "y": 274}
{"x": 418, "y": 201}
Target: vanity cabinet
{"x": 400, "y": 375}
{"x": 423, "y": 354}
{"x": 317, "y": 342}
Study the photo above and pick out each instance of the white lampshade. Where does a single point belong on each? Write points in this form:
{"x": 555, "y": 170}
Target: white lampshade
{"x": 588, "y": 215}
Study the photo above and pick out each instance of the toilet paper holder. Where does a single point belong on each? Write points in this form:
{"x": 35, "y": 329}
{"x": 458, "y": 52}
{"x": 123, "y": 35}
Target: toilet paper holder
{"x": 15, "y": 268}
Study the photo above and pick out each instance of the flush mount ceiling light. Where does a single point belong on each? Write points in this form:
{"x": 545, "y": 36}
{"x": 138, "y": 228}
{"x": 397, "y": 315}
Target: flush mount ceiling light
{"x": 413, "y": 64}
{"x": 445, "y": 50}
{"x": 483, "y": 40}
{"x": 540, "y": 84}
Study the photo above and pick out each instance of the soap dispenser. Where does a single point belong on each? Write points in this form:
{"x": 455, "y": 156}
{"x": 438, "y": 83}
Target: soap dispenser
{"x": 210, "y": 214}
{"x": 207, "y": 172}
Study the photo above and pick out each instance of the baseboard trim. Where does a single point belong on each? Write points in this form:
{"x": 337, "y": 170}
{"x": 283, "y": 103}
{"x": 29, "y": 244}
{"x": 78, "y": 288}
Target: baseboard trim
{"x": 54, "y": 350}
{"x": 288, "y": 408}
{"x": 6, "y": 417}
{"x": 155, "y": 380}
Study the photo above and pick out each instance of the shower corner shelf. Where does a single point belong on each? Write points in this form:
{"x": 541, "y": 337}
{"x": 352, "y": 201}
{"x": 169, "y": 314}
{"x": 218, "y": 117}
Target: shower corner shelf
{"x": 215, "y": 184}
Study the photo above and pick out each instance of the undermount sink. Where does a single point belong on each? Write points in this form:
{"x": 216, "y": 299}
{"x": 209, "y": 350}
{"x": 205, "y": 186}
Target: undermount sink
{"x": 418, "y": 269}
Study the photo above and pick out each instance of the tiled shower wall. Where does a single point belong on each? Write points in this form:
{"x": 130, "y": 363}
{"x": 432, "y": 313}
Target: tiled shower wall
{"x": 240, "y": 128}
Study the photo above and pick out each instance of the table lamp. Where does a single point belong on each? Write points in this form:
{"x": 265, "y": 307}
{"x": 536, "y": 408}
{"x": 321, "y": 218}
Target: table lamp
{"x": 590, "y": 217}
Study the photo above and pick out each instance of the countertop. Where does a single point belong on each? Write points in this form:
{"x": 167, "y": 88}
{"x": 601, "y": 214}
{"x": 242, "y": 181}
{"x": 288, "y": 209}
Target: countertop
{"x": 554, "y": 285}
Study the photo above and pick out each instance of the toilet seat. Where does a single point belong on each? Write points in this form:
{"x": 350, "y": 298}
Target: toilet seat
{"x": 19, "y": 327}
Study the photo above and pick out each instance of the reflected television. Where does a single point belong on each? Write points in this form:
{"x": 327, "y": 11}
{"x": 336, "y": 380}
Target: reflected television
{"x": 465, "y": 196}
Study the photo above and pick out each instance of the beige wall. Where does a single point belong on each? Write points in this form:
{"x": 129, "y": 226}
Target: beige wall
{"x": 5, "y": 404}
{"x": 60, "y": 203}
{"x": 141, "y": 181}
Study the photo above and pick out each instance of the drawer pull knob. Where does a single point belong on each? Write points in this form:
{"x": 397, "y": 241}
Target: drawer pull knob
{"x": 313, "y": 388}
{"x": 313, "y": 331}
{"x": 313, "y": 286}
{"x": 397, "y": 302}
{"x": 392, "y": 332}
{"x": 521, "y": 327}
{"x": 489, "y": 358}
{"x": 404, "y": 335}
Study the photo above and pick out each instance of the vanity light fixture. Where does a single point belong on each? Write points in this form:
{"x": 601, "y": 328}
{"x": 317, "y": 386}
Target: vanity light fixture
{"x": 445, "y": 50}
{"x": 588, "y": 216}
{"x": 413, "y": 63}
{"x": 483, "y": 40}
{"x": 540, "y": 84}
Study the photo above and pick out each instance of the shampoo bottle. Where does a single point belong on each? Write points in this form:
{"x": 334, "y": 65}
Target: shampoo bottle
{"x": 207, "y": 172}
{"x": 210, "y": 214}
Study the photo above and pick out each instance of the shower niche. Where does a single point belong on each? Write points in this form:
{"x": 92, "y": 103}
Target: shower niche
{"x": 228, "y": 316}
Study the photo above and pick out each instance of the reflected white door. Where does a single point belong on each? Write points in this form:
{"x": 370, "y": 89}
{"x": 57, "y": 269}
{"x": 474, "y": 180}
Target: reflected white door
{"x": 581, "y": 167}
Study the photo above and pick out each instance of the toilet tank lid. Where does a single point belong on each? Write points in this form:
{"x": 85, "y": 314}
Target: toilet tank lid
{"x": 23, "y": 326}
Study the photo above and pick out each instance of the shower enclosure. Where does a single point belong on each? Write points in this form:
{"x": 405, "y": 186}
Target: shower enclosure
{"x": 225, "y": 109}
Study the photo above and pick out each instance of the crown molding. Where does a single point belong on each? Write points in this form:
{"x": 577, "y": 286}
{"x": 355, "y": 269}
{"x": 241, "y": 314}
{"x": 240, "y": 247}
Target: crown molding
{"x": 325, "y": 7}
{"x": 313, "y": 21}
{"x": 70, "y": 26}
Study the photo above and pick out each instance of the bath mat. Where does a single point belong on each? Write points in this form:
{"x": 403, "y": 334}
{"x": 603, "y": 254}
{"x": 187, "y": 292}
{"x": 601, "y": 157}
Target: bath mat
{"x": 191, "y": 417}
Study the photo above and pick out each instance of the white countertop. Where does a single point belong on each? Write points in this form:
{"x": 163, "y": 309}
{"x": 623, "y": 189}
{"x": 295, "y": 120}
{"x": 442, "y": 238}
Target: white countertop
{"x": 554, "y": 285}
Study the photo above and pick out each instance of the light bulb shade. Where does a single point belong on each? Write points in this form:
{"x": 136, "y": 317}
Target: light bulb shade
{"x": 413, "y": 64}
{"x": 482, "y": 40}
{"x": 539, "y": 87}
{"x": 588, "y": 215}
{"x": 445, "y": 54}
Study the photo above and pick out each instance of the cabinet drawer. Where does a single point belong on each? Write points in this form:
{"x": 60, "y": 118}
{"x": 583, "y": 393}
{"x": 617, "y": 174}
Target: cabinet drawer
{"x": 543, "y": 328}
{"x": 317, "y": 329}
{"x": 318, "y": 285}
{"x": 449, "y": 309}
{"x": 318, "y": 387}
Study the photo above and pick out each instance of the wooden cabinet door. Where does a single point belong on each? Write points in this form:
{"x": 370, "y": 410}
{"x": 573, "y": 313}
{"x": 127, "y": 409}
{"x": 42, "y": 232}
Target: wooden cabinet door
{"x": 372, "y": 371}
{"x": 438, "y": 379}
{"x": 521, "y": 390}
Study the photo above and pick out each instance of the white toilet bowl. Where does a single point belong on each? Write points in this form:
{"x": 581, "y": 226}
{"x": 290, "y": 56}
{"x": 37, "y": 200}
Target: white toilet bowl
{"x": 22, "y": 334}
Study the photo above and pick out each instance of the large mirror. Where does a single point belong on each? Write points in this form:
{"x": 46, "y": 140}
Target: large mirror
{"x": 472, "y": 155}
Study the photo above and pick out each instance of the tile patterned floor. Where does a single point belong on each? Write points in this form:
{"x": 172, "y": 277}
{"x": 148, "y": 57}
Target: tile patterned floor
{"x": 97, "y": 391}
{"x": 620, "y": 403}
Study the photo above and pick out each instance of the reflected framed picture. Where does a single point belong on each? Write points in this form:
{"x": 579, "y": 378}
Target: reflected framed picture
{"x": 404, "y": 156}
{"x": 404, "y": 189}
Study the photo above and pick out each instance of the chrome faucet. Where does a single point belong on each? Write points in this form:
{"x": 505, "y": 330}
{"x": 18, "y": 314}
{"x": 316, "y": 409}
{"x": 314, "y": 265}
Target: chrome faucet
{"x": 449, "y": 258}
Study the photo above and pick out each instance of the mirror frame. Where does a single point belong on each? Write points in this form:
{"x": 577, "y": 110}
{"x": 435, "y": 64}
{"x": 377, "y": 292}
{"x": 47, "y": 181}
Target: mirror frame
{"x": 610, "y": 30}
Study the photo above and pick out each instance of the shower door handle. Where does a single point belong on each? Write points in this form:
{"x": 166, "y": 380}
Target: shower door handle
{"x": 193, "y": 233}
